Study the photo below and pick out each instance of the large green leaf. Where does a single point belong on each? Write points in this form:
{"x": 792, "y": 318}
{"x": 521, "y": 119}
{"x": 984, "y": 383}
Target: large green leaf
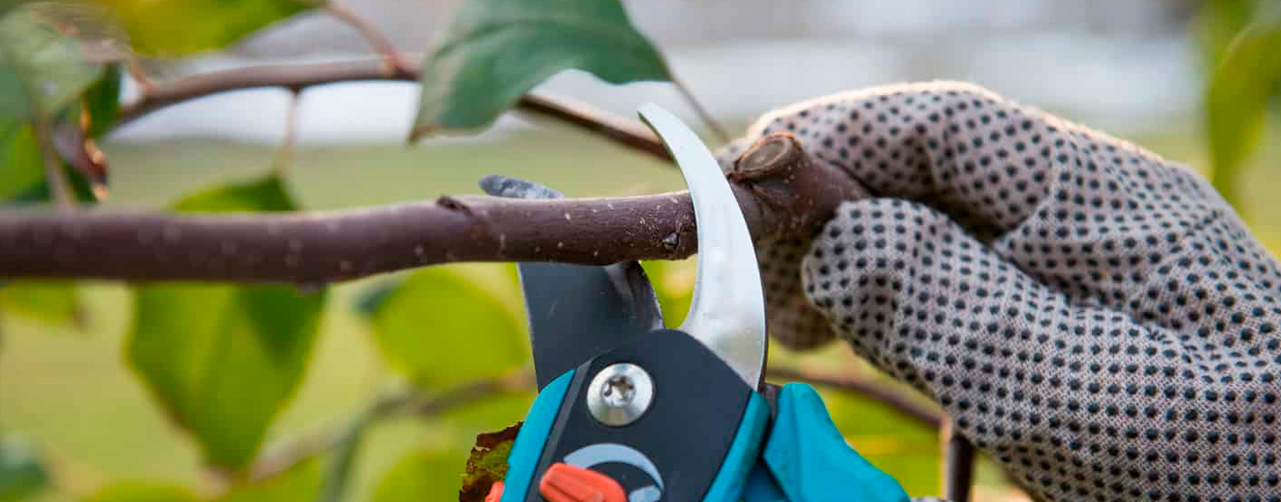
{"x": 1220, "y": 21}
{"x": 45, "y": 74}
{"x": 21, "y": 170}
{"x": 493, "y": 51}
{"x": 21, "y": 472}
{"x": 267, "y": 194}
{"x": 225, "y": 359}
{"x": 422, "y": 476}
{"x": 1236, "y": 102}
{"x": 175, "y": 27}
{"x": 439, "y": 327}
{"x": 137, "y": 492}
{"x": 673, "y": 283}
{"x": 49, "y": 301}
{"x": 102, "y": 102}
{"x": 299, "y": 484}
{"x": 42, "y": 69}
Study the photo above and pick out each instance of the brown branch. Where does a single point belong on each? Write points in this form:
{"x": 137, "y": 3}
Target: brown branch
{"x": 895, "y": 399}
{"x": 779, "y": 190}
{"x": 379, "y": 41}
{"x": 299, "y": 77}
{"x": 399, "y": 403}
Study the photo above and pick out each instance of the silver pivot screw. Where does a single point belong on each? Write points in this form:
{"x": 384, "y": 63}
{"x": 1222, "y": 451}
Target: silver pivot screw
{"x": 620, "y": 394}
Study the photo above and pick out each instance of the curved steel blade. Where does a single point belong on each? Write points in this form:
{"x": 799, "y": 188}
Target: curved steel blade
{"x": 577, "y": 311}
{"x": 727, "y": 313}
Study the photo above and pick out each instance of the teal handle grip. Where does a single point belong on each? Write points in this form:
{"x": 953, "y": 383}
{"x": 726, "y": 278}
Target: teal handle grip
{"x": 743, "y": 453}
{"x": 523, "y": 459}
{"x": 807, "y": 460}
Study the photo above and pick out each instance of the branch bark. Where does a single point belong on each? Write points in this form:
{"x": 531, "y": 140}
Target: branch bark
{"x": 778, "y": 188}
{"x": 301, "y": 76}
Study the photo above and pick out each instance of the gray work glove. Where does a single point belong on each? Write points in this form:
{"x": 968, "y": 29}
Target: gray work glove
{"x": 1096, "y": 319}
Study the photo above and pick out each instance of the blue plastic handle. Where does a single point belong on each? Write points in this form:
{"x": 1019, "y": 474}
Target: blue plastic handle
{"x": 743, "y": 452}
{"x": 523, "y": 459}
{"x": 807, "y": 460}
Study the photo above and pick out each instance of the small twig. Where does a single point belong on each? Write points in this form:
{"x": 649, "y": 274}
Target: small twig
{"x": 630, "y": 134}
{"x": 702, "y": 112}
{"x": 379, "y": 41}
{"x": 59, "y": 187}
{"x": 393, "y": 404}
{"x": 302, "y": 76}
{"x": 958, "y": 463}
{"x": 83, "y": 155}
{"x": 866, "y": 387}
{"x": 285, "y": 155}
{"x": 134, "y": 67}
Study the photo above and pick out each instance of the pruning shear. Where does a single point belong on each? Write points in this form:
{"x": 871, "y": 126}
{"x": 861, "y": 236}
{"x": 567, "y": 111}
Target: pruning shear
{"x": 629, "y": 411}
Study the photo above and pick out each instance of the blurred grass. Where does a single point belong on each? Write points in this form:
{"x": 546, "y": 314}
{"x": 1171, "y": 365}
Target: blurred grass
{"x": 69, "y": 389}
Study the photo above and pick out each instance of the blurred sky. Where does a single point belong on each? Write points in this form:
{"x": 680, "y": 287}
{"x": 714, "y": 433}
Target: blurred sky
{"x": 1128, "y": 66}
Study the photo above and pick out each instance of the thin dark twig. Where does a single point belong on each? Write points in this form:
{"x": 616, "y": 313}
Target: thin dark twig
{"x": 57, "y": 182}
{"x": 300, "y": 76}
{"x": 393, "y": 404}
{"x": 877, "y": 391}
{"x": 630, "y": 134}
{"x": 285, "y": 154}
{"x": 958, "y": 463}
{"x": 377, "y": 40}
{"x": 702, "y": 112}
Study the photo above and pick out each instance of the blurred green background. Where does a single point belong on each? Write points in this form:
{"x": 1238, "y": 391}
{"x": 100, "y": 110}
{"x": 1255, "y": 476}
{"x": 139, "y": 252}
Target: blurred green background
{"x": 1142, "y": 70}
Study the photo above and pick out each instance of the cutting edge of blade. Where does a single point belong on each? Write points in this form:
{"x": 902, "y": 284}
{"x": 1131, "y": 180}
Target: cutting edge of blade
{"x": 727, "y": 313}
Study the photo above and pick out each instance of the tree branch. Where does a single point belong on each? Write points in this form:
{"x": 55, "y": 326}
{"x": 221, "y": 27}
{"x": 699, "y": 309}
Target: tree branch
{"x": 302, "y": 76}
{"x": 778, "y": 188}
{"x": 903, "y": 403}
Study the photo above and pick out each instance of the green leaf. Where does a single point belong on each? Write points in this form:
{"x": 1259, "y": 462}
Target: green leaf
{"x": 493, "y": 51}
{"x": 21, "y": 471}
{"x": 422, "y": 476}
{"x": 102, "y": 101}
{"x": 439, "y": 327}
{"x": 1220, "y": 22}
{"x": 300, "y": 483}
{"x": 44, "y": 74}
{"x": 223, "y": 359}
{"x": 42, "y": 70}
{"x": 176, "y": 27}
{"x": 1237, "y": 99}
{"x": 21, "y": 168}
{"x": 673, "y": 283}
{"x": 267, "y": 194}
{"x": 48, "y": 301}
{"x": 137, "y": 492}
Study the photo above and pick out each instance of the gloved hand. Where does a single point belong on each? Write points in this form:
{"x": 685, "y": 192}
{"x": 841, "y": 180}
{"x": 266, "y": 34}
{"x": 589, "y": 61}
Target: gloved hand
{"x": 1096, "y": 319}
